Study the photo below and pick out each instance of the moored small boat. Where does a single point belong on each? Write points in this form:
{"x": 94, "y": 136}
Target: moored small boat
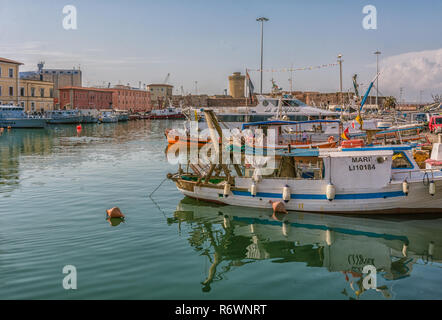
{"x": 15, "y": 117}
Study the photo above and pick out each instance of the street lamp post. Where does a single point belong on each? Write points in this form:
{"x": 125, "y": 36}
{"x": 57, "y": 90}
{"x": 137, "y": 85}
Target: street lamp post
{"x": 262, "y": 20}
{"x": 340, "y": 76}
{"x": 377, "y": 53}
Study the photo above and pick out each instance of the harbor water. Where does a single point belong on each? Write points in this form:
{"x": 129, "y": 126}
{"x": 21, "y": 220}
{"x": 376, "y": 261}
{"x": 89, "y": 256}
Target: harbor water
{"x": 55, "y": 187}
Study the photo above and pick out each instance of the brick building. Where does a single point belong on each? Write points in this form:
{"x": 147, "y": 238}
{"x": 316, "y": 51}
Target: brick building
{"x": 130, "y": 99}
{"x": 118, "y": 98}
{"x": 85, "y": 98}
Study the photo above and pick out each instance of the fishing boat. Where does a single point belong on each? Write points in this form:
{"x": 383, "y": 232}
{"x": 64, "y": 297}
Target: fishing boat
{"x": 64, "y": 116}
{"x": 15, "y": 117}
{"x": 345, "y": 180}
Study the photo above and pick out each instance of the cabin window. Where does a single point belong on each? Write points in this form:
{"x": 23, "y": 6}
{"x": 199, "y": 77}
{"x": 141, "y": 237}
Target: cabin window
{"x": 401, "y": 161}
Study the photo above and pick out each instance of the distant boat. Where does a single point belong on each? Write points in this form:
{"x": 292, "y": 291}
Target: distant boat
{"x": 108, "y": 116}
{"x": 15, "y": 117}
{"x": 89, "y": 115}
{"x": 166, "y": 113}
{"x": 64, "y": 116}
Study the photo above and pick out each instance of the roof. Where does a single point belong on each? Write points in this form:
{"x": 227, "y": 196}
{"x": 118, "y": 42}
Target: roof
{"x": 159, "y": 85}
{"x": 9, "y": 61}
{"x": 282, "y": 122}
{"x": 86, "y": 89}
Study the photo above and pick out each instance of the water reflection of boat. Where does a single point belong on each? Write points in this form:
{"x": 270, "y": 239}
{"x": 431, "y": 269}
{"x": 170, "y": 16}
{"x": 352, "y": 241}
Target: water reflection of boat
{"x": 238, "y": 236}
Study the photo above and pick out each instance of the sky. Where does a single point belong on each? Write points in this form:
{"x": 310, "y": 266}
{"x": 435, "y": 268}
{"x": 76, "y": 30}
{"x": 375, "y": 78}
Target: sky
{"x": 201, "y": 42}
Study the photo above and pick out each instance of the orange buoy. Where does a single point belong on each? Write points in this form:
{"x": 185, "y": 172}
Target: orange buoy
{"x": 115, "y": 212}
{"x": 278, "y": 206}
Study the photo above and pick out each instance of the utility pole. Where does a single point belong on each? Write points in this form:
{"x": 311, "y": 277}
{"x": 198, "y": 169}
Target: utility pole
{"x": 377, "y": 53}
{"x": 340, "y": 76}
{"x": 262, "y": 20}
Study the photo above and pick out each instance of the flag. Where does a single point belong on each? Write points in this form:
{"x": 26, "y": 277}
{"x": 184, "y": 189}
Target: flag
{"x": 250, "y": 85}
{"x": 359, "y": 120}
{"x": 344, "y": 135}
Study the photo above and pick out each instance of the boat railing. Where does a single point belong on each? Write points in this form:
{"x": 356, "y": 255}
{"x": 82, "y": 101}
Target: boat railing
{"x": 425, "y": 171}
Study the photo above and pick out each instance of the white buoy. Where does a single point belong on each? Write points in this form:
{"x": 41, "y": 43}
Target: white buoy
{"x": 226, "y": 190}
{"x": 405, "y": 187}
{"x": 328, "y": 237}
{"x": 226, "y": 222}
{"x": 253, "y": 189}
{"x": 432, "y": 188}
{"x": 330, "y": 192}
{"x": 404, "y": 250}
{"x": 286, "y": 193}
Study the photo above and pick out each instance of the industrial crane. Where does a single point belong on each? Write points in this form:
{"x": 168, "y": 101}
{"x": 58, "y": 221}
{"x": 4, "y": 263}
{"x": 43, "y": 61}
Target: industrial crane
{"x": 167, "y": 78}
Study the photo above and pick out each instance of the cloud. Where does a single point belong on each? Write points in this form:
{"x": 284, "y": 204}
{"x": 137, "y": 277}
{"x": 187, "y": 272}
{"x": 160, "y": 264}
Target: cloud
{"x": 414, "y": 71}
{"x": 33, "y": 51}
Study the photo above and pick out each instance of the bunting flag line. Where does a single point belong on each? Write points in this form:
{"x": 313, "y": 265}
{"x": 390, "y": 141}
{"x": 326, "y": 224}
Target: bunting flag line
{"x": 295, "y": 69}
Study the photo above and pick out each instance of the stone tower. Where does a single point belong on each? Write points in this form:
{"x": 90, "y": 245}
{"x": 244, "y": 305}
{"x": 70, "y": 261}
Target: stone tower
{"x": 236, "y": 85}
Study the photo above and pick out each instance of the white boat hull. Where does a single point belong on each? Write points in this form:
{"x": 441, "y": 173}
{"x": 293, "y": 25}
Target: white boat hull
{"x": 388, "y": 200}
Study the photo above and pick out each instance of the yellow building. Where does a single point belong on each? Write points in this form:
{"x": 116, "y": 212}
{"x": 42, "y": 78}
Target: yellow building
{"x": 36, "y": 95}
{"x": 9, "y": 81}
{"x": 159, "y": 93}
{"x": 33, "y": 95}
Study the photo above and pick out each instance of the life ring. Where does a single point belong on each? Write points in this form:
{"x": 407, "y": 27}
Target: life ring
{"x": 331, "y": 139}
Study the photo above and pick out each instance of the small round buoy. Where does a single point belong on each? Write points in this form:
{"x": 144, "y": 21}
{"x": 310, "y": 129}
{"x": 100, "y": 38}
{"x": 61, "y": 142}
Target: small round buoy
{"x": 278, "y": 207}
{"x": 9, "y": 127}
{"x": 253, "y": 190}
{"x": 115, "y": 212}
{"x": 286, "y": 193}
{"x": 432, "y": 188}
{"x": 330, "y": 192}
{"x": 405, "y": 187}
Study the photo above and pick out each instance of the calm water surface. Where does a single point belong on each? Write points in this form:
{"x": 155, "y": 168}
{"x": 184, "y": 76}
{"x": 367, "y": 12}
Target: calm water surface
{"x": 55, "y": 186}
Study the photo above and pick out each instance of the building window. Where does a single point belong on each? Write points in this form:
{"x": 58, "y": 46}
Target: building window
{"x": 11, "y": 73}
{"x": 42, "y": 92}
{"x": 22, "y": 104}
{"x": 32, "y": 92}
{"x": 32, "y": 106}
{"x": 51, "y": 93}
{"x": 0, "y": 72}
{"x": 11, "y": 91}
{"x": 22, "y": 92}
{"x": 0, "y": 91}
